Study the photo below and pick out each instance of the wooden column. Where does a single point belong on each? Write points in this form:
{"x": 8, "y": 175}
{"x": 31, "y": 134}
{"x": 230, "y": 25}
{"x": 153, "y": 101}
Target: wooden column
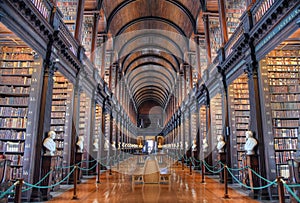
{"x": 79, "y": 20}
{"x": 256, "y": 121}
{"x": 208, "y": 131}
{"x": 75, "y": 124}
{"x": 226, "y": 120}
{"x": 44, "y": 121}
{"x": 223, "y": 24}
{"x": 207, "y": 38}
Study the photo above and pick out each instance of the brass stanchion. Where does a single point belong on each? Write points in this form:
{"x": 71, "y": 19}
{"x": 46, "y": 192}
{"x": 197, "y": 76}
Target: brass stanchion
{"x": 190, "y": 166}
{"x": 182, "y": 163}
{"x": 203, "y": 172}
{"x": 75, "y": 182}
{"x": 226, "y": 182}
{"x": 18, "y": 191}
{"x": 280, "y": 190}
{"x": 98, "y": 172}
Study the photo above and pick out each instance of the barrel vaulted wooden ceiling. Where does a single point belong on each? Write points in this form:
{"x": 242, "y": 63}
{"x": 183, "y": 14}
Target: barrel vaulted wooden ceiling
{"x": 151, "y": 40}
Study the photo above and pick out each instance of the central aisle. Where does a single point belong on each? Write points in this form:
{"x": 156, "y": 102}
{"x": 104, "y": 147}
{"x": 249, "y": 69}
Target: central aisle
{"x": 183, "y": 188}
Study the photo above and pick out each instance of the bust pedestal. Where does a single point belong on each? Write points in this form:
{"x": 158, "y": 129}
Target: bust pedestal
{"x": 222, "y": 158}
{"x": 252, "y": 162}
{"x": 48, "y": 163}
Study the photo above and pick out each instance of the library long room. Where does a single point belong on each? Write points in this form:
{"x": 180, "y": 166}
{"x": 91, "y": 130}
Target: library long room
{"x": 150, "y": 101}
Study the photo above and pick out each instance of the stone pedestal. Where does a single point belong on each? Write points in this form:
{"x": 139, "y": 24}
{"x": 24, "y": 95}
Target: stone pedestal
{"x": 222, "y": 158}
{"x": 48, "y": 163}
{"x": 252, "y": 162}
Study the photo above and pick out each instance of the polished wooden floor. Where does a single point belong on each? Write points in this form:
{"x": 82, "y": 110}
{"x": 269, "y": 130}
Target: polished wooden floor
{"x": 184, "y": 187}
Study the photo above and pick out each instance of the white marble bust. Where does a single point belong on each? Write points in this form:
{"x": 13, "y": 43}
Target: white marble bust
{"x": 80, "y": 144}
{"x": 250, "y": 143}
{"x": 205, "y": 145}
{"x": 221, "y": 143}
{"x": 96, "y": 145}
{"x": 194, "y": 146}
{"x": 50, "y": 144}
{"x": 106, "y": 145}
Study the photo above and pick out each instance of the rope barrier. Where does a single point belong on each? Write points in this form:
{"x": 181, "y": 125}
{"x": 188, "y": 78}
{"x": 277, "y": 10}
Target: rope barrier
{"x": 260, "y": 176}
{"x": 8, "y": 191}
{"x": 87, "y": 169}
{"x": 218, "y": 171}
{"x": 248, "y": 187}
{"x": 288, "y": 188}
{"x": 50, "y": 186}
{"x": 212, "y": 166}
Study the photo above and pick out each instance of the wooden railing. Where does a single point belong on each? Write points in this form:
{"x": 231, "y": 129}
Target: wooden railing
{"x": 260, "y": 8}
{"x": 233, "y": 39}
{"x": 43, "y": 6}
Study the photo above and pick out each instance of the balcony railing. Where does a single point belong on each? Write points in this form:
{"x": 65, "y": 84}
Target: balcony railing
{"x": 43, "y": 7}
{"x": 260, "y": 9}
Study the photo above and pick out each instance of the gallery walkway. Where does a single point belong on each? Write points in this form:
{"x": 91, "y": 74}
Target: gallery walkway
{"x": 183, "y": 188}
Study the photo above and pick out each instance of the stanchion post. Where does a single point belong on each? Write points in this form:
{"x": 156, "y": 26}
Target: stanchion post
{"x": 18, "y": 191}
{"x": 226, "y": 196}
{"x": 280, "y": 190}
{"x": 98, "y": 172}
{"x": 182, "y": 163}
{"x": 190, "y": 166}
{"x": 75, "y": 182}
{"x": 203, "y": 172}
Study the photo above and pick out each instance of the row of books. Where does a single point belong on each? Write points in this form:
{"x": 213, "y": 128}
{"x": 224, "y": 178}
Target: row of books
{"x": 283, "y": 157}
{"x": 13, "y": 122}
{"x": 285, "y": 97}
{"x": 16, "y": 159}
{"x": 58, "y": 114}
{"x": 16, "y": 56}
{"x": 279, "y": 53}
{"x": 5, "y": 49}
{"x": 8, "y": 146}
{"x": 284, "y": 81}
{"x": 13, "y": 111}
{"x": 284, "y": 105}
{"x": 17, "y": 80}
{"x": 242, "y": 119}
{"x": 282, "y": 61}
{"x": 13, "y": 89}
{"x": 14, "y": 101}
{"x": 286, "y": 132}
{"x": 280, "y": 144}
{"x": 59, "y": 121}
{"x": 58, "y": 108}
{"x": 12, "y": 134}
{"x": 19, "y": 71}
{"x": 241, "y": 107}
{"x": 15, "y": 64}
{"x": 283, "y": 74}
{"x": 60, "y": 96}
{"x": 285, "y": 89}
{"x": 286, "y": 114}
{"x": 285, "y": 123}
{"x": 59, "y": 102}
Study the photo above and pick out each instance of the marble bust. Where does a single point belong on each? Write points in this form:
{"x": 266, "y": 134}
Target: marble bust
{"x": 250, "y": 143}
{"x": 96, "y": 145}
{"x": 80, "y": 144}
{"x": 194, "y": 146}
{"x": 50, "y": 144}
{"x": 205, "y": 145}
{"x": 221, "y": 143}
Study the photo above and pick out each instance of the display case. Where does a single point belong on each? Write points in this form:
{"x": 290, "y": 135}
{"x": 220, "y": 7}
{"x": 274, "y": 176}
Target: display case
{"x": 216, "y": 124}
{"x": 60, "y": 123}
{"x": 20, "y": 72}
{"x": 281, "y": 72}
{"x": 239, "y": 121}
